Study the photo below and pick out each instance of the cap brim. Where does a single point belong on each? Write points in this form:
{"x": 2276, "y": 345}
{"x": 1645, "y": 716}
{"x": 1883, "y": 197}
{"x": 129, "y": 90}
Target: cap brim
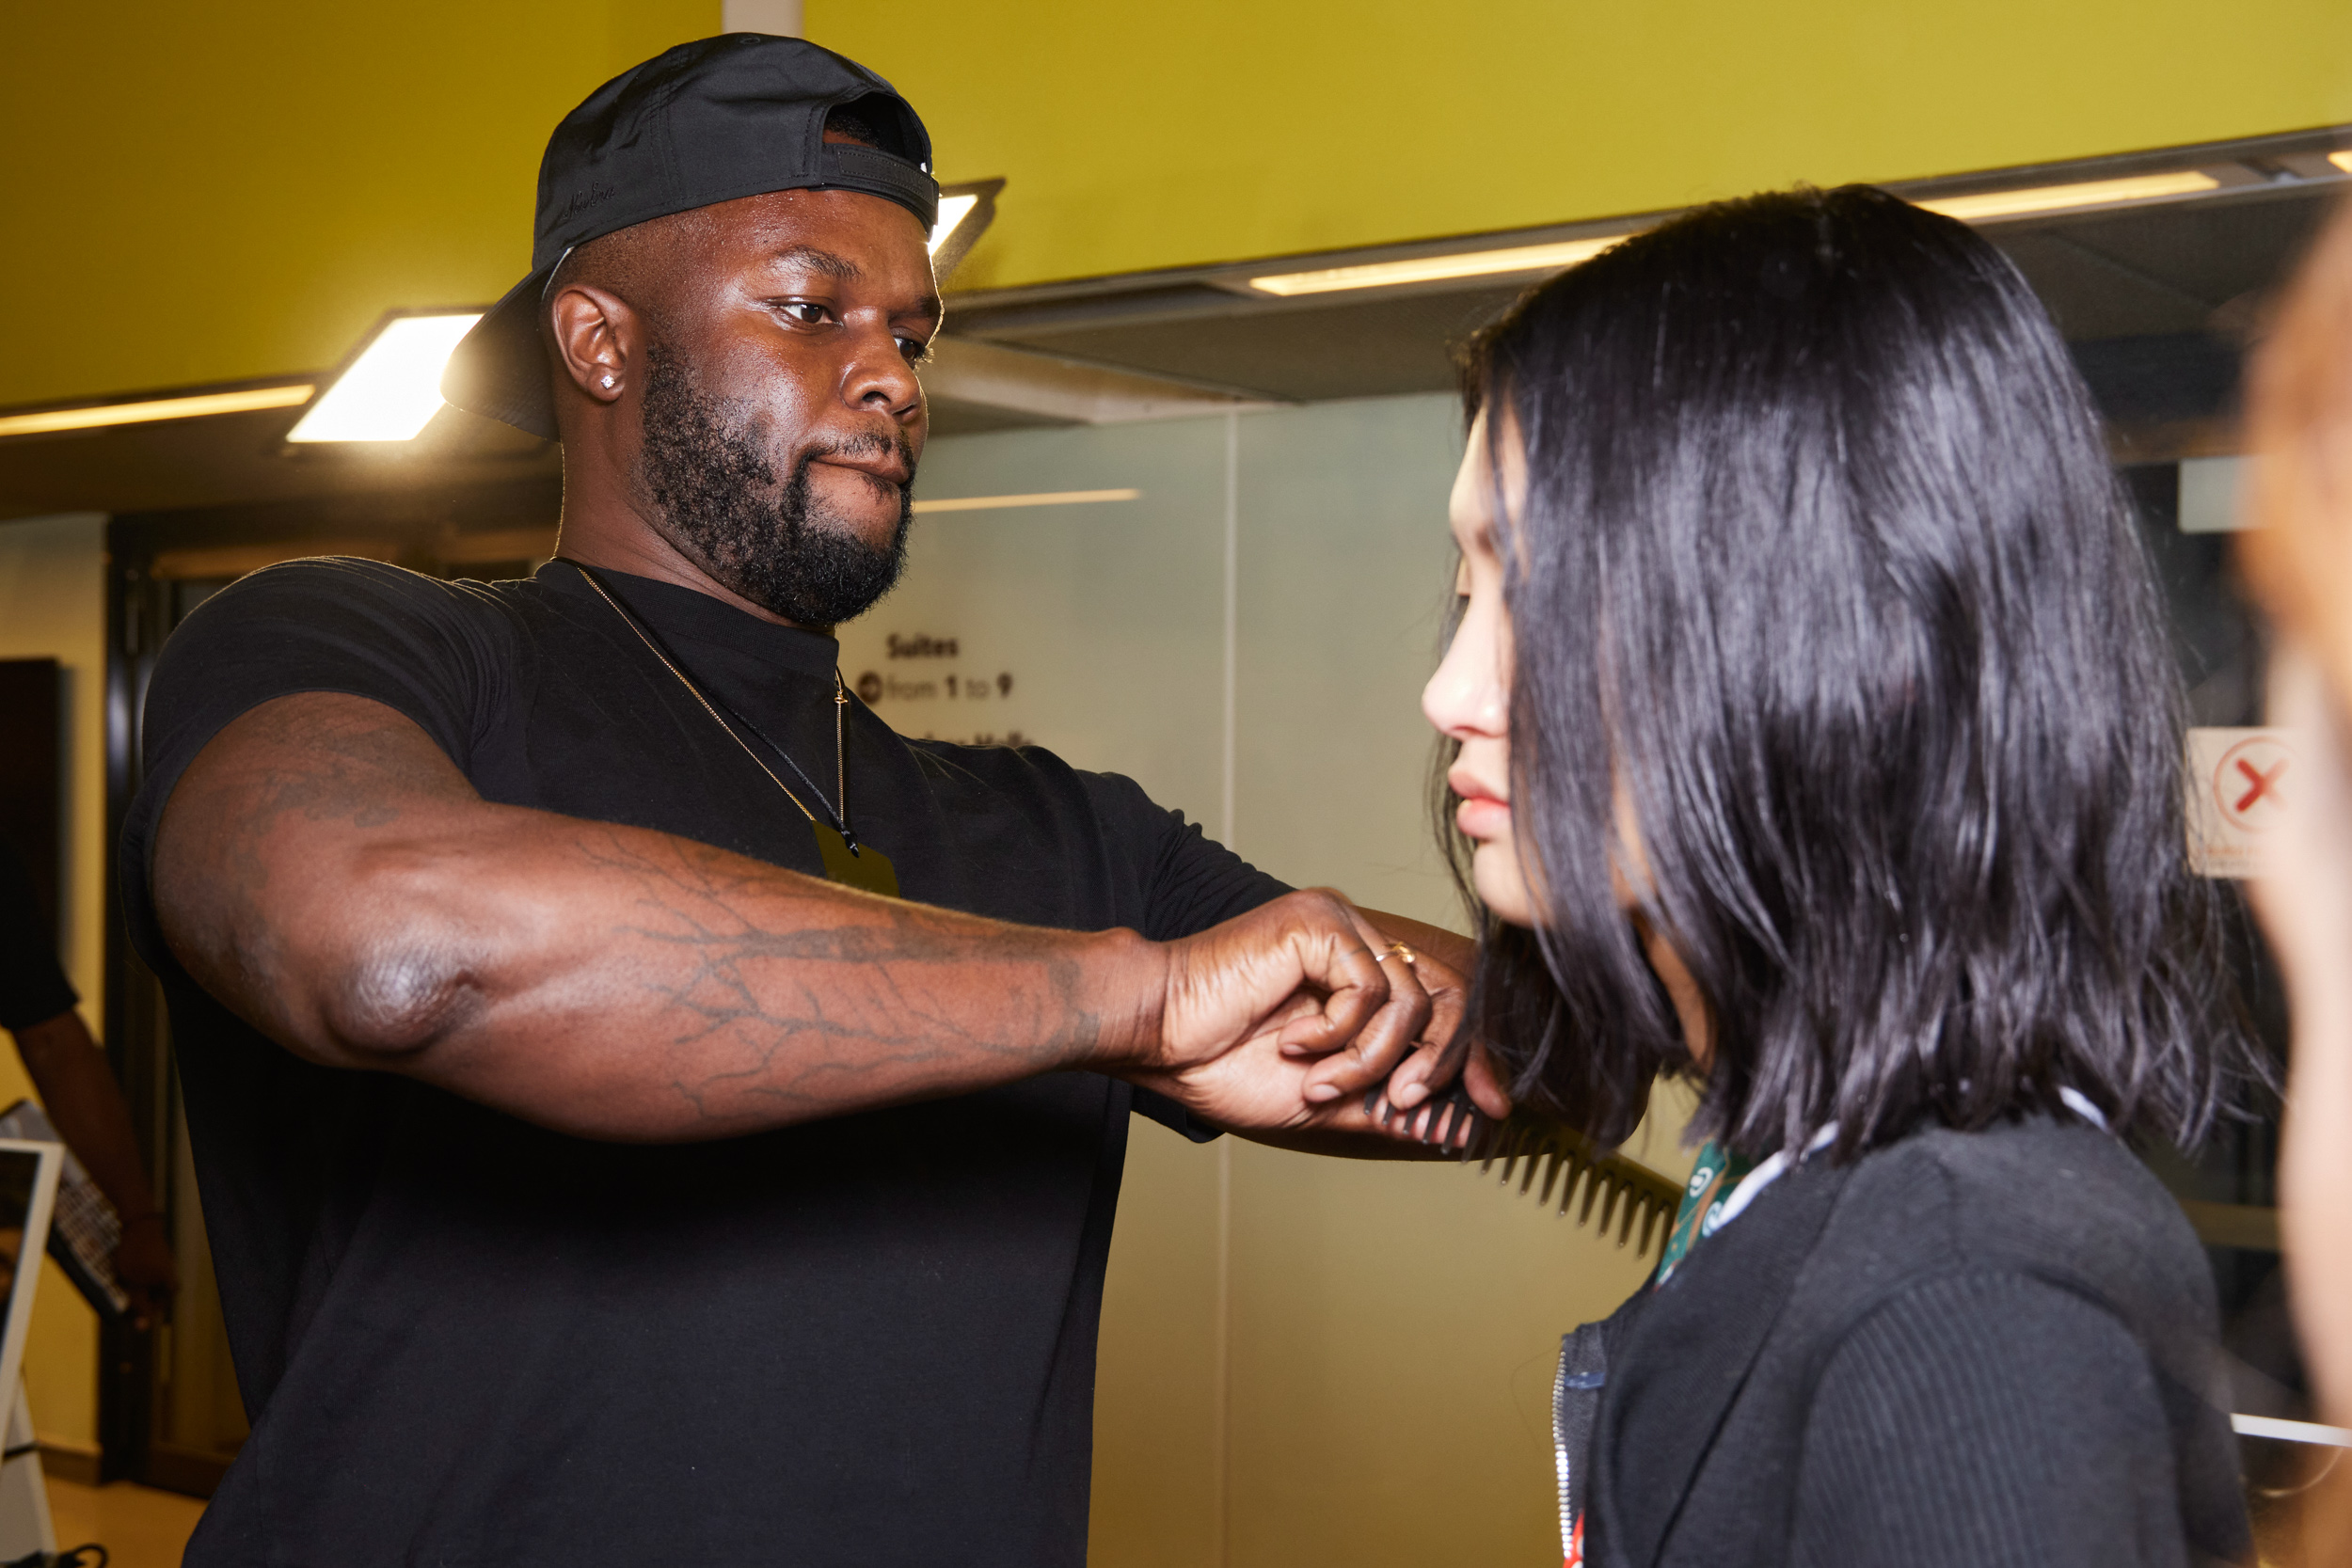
{"x": 499, "y": 368}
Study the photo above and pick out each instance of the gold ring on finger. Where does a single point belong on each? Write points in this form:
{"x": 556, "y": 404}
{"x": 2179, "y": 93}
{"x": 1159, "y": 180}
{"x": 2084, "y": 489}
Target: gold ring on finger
{"x": 1401, "y": 951}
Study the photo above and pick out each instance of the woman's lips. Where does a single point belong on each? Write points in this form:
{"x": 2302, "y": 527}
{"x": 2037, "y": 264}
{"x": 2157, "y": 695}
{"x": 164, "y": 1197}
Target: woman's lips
{"x": 1483, "y": 817}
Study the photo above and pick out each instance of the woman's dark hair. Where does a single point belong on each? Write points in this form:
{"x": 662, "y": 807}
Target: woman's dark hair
{"x": 1821, "y": 561}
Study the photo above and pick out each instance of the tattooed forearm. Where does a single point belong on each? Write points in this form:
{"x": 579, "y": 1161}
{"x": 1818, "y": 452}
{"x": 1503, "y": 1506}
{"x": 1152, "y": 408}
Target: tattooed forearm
{"x": 330, "y": 874}
{"x": 326, "y": 871}
{"x": 814, "y": 1015}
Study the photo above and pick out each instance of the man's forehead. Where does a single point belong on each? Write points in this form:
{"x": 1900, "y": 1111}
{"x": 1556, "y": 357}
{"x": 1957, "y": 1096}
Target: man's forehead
{"x": 868, "y": 231}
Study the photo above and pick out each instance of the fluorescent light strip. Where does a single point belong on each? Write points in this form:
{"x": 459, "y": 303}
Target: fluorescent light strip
{"x": 394, "y": 389}
{"x": 1433, "y": 269}
{"x": 1049, "y": 497}
{"x": 2291, "y": 1432}
{"x": 1553, "y": 258}
{"x": 99, "y": 415}
{"x": 952, "y": 210}
{"x": 2084, "y": 193}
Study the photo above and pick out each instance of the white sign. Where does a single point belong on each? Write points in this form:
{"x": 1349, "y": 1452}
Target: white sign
{"x": 2212, "y": 494}
{"x": 2239, "y": 781}
{"x": 931, "y": 686}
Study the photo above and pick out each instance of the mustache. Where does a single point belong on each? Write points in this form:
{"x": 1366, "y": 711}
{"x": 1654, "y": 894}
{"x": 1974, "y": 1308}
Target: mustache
{"x": 866, "y": 445}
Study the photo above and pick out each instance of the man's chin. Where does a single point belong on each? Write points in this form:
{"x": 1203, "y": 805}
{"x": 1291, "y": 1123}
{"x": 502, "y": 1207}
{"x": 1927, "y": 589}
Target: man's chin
{"x": 858, "y": 504}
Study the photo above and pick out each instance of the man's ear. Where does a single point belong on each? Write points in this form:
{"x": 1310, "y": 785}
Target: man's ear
{"x": 597, "y": 340}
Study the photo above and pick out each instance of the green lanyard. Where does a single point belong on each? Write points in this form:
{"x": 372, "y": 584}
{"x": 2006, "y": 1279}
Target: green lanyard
{"x": 1714, "y": 1179}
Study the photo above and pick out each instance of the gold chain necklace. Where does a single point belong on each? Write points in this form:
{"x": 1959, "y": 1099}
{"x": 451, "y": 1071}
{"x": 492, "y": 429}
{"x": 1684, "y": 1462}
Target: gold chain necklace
{"x": 846, "y": 861}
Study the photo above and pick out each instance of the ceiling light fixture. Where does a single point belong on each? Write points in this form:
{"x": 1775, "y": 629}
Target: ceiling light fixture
{"x": 952, "y": 210}
{"x": 1436, "y": 269}
{"x": 2342, "y": 160}
{"x": 966, "y": 211}
{"x": 48, "y": 422}
{"x": 392, "y": 389}
{"x": 2082, "y": 193}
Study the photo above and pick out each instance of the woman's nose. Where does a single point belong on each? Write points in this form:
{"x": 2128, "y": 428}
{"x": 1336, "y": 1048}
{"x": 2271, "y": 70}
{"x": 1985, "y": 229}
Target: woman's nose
{"x": 1466, "y": 698}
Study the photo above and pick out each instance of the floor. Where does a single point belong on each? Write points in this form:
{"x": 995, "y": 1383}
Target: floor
{"x": 139, "y": 1526}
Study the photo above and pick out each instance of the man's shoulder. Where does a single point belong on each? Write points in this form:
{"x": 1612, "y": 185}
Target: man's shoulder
{"x": 340, "y": 579}
{"x": 349, "y": 607}
{"x": 1019, "y": 767}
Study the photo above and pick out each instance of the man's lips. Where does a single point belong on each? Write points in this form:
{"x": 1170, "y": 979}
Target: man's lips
{"x": 889, "y": 470}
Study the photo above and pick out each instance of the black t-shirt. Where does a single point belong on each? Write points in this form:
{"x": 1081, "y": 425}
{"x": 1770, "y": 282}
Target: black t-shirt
{"x": 33, "y": 989}
{"x": 466, "y": 1340}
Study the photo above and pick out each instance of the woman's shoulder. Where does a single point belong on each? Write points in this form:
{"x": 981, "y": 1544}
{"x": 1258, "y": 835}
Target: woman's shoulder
{"x": 2055, "y": 1200}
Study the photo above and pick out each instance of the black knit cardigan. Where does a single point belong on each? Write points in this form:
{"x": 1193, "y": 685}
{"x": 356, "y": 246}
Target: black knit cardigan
{"x": 1964, "y": 1348}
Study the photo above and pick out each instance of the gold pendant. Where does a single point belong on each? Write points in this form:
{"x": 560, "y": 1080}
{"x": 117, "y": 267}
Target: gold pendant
{"x": 863, "y": 867}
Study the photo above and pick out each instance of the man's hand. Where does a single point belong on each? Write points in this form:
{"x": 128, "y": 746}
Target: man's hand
{"x": 1282, "y": 1011}
{"x": 144, "y": 1267}
{"x": 1296, "y": 1076}
{"x": 1443, "y": 960}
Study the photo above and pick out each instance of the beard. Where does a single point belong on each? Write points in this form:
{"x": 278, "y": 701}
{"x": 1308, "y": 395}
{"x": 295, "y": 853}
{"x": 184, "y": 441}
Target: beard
{"x": 715, "y": 491}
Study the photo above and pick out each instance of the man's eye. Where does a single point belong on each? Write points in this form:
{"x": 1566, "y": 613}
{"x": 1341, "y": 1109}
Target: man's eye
{"x": 916, "y": 349}
{"x": 804, "y": 313}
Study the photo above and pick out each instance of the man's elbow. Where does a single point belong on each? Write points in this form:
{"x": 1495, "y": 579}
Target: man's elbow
{"x": 398, "y": 996}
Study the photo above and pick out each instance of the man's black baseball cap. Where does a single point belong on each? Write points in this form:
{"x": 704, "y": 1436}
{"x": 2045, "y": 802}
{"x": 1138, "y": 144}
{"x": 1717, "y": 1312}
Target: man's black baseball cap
{"x": 706, "y": 122}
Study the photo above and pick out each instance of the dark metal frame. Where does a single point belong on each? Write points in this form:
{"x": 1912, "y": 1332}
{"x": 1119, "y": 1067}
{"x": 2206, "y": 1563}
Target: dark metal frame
{"x": 415, "y": 526}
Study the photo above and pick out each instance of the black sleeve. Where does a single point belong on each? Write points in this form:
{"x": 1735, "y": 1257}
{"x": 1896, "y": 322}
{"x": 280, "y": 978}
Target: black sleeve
{"x": 33, "y": 989}
{"x": 1988, "y": 1419}
{"x": 1194, "y": 884}
{"x": 429, "y": 649}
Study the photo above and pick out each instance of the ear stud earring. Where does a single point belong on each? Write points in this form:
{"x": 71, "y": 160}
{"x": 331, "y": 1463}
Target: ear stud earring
{"x": 607, "y": 381}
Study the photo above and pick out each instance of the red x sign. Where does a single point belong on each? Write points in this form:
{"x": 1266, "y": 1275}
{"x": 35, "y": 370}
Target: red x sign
{"x": 2247, "y": 783}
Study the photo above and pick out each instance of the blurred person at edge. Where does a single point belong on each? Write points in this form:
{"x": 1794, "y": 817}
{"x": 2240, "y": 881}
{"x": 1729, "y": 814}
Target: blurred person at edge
{"x": 2298, "y": 560}
{"x": 1815, "y": 737}
{"x": 37, "y": 1007}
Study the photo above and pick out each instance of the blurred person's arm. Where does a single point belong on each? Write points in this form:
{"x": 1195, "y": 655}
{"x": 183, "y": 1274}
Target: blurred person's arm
{"x": 2305, "y": 902}
{"x": 85, "y": 1104}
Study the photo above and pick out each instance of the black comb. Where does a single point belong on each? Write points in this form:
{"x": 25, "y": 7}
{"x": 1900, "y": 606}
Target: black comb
{"x": 1529, "y": 1145}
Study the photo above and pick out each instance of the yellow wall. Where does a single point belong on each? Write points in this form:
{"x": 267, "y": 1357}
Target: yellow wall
{"x": 53, "y": 574}
{"x": 1136, "y": 138}
{"x": 206, "y": 192}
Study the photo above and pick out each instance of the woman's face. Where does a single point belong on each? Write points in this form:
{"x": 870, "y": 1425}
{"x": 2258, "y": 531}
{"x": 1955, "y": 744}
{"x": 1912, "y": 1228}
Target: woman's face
{"x": 1469, "y": 697}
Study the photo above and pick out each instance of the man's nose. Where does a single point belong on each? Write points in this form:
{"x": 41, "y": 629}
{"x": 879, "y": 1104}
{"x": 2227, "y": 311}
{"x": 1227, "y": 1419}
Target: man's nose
{"x": 878, "y": 378}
